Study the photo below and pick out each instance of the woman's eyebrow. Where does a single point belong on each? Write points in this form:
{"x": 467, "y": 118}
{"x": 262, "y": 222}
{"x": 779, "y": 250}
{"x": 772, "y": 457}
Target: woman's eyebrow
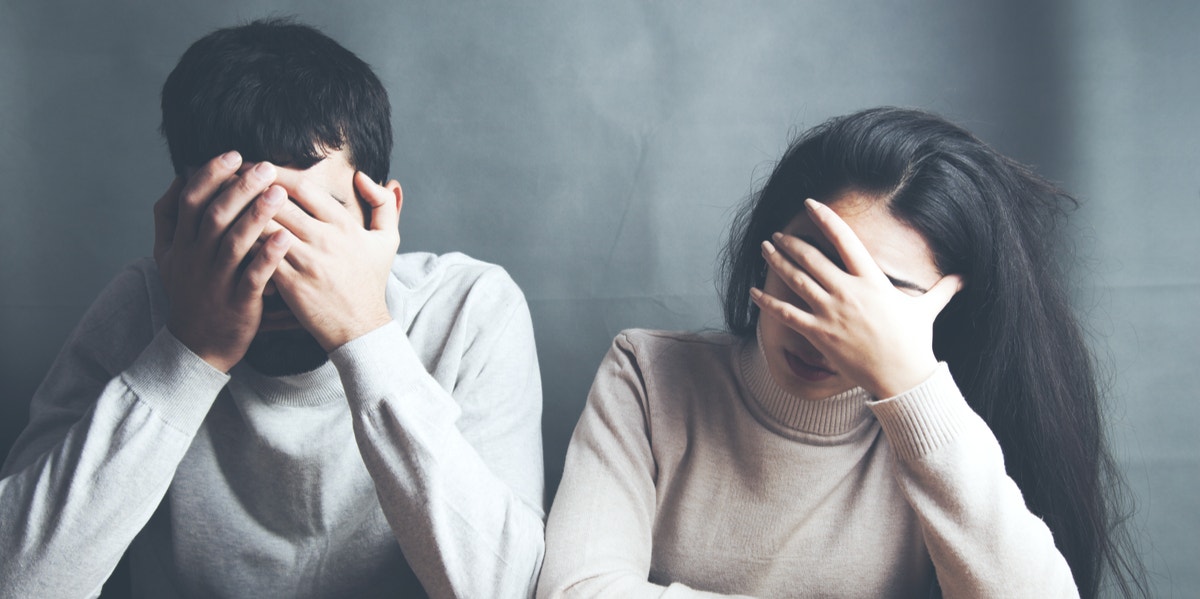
{"x": 902, "y": 284}
{"x": 836, "y": 259}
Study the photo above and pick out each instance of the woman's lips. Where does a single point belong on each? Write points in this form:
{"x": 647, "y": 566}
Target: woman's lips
{"x": 807, "y": 371}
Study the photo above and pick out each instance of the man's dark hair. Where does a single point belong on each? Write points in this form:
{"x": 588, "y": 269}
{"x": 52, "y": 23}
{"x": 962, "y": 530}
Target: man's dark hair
{"x": 278, "y": 91}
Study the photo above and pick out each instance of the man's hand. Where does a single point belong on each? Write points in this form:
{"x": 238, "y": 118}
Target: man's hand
{"x": 203, "y": 230}
{"x": 335, "y": 274}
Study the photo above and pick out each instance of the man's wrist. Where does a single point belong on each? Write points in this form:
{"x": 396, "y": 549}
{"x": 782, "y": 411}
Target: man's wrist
{"x": 218, "y": 360}
{"x": 340, "y": 336}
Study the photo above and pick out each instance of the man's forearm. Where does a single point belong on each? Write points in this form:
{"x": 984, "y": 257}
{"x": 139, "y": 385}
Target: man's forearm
{"x": 469, "y": 526}
{"x": 74, "y": 496}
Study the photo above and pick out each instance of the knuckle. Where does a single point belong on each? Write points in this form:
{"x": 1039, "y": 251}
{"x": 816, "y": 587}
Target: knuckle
{"x": 215, "y": 217}
{"x": 247, "y": 184}
{"x": 270, "y": 252}
{"x": 254, "y": 279}
{"x": 203, "y": 178}
{"x": 259, "y": 211}
{"x": 809, "y": 254}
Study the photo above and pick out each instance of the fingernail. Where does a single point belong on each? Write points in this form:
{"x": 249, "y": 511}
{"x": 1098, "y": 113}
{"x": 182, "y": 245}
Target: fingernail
{"x": 777, "y": 236}
{"x": 231, "y": 158}
{"x": 264, "y": 171}
{"x": 767, "y": 248}
{"x": 755, "y": 293}
{"x": 812, "y": 204}
{"x": 274, "y": 195}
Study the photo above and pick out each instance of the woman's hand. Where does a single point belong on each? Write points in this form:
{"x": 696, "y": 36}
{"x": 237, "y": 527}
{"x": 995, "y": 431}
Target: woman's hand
{"x": 877, "y": 336}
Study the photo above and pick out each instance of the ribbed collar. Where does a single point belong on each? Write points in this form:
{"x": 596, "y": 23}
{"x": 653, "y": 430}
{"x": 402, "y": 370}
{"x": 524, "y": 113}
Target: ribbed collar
{"x": 312, "y": 388}
{"x": 826, "y": 421}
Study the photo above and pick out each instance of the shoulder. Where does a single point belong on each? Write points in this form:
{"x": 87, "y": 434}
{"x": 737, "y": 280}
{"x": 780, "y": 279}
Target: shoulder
{"x": 129, "y": 310}
{"x": 415, "y": 270}
{"x": 453, "y": 294}
{"x": 424, "y": 275}
{"x": 670, "y": 363}
{"x": 675, "y": 381}
{"x": 650, "y": 347}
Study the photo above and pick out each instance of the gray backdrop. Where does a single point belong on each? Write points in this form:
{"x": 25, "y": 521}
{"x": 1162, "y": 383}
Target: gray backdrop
{"x": 597, "y": 150}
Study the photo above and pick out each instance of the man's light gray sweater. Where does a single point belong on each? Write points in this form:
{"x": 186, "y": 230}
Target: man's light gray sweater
{"x": 409, "y": 463}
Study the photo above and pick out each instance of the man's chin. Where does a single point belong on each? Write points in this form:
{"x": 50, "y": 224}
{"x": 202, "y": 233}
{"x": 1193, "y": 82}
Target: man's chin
{"x": 278, "y": 321}
{"x": 284, "y": 351}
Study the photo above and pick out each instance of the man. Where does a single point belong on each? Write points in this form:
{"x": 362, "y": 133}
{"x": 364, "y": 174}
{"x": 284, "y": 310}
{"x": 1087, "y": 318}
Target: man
{"x": 278, "y": 405}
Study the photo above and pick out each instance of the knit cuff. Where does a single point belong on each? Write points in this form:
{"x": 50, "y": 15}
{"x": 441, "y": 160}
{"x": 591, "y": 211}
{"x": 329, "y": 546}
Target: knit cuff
{"x": 382, "y": 364}
{"x": 924, "y": 418}
{"x": 177, "y": 384}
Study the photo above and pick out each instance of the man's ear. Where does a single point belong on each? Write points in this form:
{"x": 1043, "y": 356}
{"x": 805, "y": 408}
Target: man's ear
{"x": 394, "y": 187}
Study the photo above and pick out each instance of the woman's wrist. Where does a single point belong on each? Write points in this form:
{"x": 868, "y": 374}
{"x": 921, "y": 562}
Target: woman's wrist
{"x": 901, "y": 379}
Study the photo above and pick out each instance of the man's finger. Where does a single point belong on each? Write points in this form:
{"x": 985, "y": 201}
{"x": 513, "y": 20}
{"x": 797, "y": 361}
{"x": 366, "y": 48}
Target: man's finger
{"x": 248, "y": 228}
{"x": 313, "y": 198}
{"x": 202, "y": 186}
{"x": 221, "y": 213}
{"x": 263, "y": 265}
{"x": 385, "y": 201}
{"x": 291, "y": 217}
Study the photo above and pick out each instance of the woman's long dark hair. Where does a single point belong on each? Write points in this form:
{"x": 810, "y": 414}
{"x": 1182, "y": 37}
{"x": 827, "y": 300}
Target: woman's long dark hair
{"x": 1010, "y": 336}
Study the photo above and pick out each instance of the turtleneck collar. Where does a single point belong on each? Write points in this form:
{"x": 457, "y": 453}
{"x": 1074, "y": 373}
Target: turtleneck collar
{"x": 826, "y": 421}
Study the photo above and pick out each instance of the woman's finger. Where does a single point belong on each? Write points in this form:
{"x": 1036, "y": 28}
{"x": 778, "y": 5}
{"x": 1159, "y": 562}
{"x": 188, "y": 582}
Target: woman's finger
{"x": 941, "y": 293}
{"x": 800, "y": 282}
{"x": 790, "y": 315}
{"x": 810, "y": 259}
{"x": 854, "y": 254}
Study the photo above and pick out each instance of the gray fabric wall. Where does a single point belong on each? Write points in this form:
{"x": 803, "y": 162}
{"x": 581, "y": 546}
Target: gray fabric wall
{"x": 597, "y": 150}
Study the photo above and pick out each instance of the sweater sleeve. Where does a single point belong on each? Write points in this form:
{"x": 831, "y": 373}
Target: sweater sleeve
{"x": 458, "y": 472}
{"x": 600, "y": 533}
{"x": 108, "y": 427}
{"x": 983, "y": 541}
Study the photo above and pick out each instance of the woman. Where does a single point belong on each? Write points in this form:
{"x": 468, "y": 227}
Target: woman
{"x": 820, "y": 448}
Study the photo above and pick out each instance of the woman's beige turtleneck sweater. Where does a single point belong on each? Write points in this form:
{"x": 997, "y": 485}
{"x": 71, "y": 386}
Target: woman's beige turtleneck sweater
{"x": 691, "y": 473}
